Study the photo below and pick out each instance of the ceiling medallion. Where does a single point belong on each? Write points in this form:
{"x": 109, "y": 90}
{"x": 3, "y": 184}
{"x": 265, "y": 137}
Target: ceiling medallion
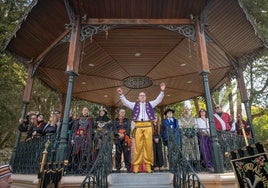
{"x": 137, "y": 82}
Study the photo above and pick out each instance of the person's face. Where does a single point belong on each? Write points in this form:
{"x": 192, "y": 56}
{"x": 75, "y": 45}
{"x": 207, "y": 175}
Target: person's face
{"x": 155, "y": 119}
{"x": 6, "y": 182}
{"x": 142, "y": 97}
{"x": 169, "y": 114}
{"x": 53, "y": 119}
{"x": 40, "y": 118}
{"x": 58, "y": 114}
{"x": 186, "y": 111}
{"x": 203, "y": 113}
{"x": 122, "y": 113}
{"x": 33, "y": 119}
{"x": 218, "y": 109}
{"x": 102, "y": 113}
{"x": 85, "y": 112}
{"x": 70, "y": 114}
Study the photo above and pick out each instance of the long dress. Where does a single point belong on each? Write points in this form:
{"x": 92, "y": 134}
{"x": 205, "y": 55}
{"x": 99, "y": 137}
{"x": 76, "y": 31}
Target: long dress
{"x": 190, "y": 147}
{"x": 205, "y": 141}
{"x": 157, "y": 146}
{"x": 81, "y": 148}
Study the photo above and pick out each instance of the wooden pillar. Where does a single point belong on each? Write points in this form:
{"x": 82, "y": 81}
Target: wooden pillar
{"x": 244, "y": 99}
{"x": 203, "y": 61}
{"x": 72, "y": 71}
{"x": 25, "y": 100}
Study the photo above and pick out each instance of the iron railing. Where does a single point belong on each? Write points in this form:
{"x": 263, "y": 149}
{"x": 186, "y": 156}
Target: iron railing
{"x": 229, "y": 141}
{"x": 184, "y": 176}
{"x": 102, "y": 167}
{"x": 81, "y": 155}
{"x": 28, "y": 154}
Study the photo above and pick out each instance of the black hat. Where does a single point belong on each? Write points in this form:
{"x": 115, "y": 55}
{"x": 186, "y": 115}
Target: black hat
{"x": 168, "y": 110}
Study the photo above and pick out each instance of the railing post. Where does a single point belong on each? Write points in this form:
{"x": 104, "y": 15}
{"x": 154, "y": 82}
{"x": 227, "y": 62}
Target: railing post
{"x": 216, "y": 150}
{"x": 72, "y": 70}
{"x": 61, "y": 153}
{"x": 204, "y": 65}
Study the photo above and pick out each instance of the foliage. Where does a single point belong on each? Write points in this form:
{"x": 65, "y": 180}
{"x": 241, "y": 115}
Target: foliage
{"x": 11, "y": 12}
{"x": 12, "y": 74}
{"x": 257, "y": 79}
{"x": 11, "y": 84}
{"x": 256, "y": 73}
{"x": 258, "y": 9}
{"x": 261, "y": 124}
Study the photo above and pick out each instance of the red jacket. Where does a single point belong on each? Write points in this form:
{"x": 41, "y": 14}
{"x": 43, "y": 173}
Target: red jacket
{"x": 226, "y": 118}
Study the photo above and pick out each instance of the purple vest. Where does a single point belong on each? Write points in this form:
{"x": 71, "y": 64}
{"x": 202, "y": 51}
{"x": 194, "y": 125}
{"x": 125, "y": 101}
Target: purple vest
{"x": 136, "y": 111}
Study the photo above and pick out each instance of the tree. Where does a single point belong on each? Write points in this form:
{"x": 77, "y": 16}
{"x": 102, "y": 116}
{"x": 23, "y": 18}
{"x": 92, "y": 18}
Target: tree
{"x": 256, "y": 71}
{"x": 260, "y": 124}
{"x": 258, "y": 10}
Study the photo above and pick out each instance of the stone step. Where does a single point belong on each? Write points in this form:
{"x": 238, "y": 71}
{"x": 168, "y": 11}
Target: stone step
{"x": 144, "y": 180}
{"x": 210, "y": 180}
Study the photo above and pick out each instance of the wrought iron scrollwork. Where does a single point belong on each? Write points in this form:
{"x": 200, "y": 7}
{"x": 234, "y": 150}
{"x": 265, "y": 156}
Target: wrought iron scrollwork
{"x": 184, "y": 174}
{"x": 90, "y": 30}
{"x": 102, "y": 167}
{"x": 186, "y": 30}
{"x": 28, "y": 155}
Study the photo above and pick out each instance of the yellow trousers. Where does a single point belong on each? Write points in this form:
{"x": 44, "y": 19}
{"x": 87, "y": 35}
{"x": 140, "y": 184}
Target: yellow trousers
{"x": 143, "y": 150}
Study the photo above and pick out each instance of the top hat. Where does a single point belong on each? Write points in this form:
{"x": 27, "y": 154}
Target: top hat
{"x": 168, "y": 110}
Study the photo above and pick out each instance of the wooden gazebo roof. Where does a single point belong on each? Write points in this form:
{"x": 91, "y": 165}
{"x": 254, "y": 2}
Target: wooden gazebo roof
{"x": 122, "y": 39}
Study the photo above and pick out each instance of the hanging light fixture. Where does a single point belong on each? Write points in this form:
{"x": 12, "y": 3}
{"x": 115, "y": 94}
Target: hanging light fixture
{"x": 137, "y": 82}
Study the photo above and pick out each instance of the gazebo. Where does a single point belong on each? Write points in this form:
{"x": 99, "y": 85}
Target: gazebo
{"x": 87, "y": 49}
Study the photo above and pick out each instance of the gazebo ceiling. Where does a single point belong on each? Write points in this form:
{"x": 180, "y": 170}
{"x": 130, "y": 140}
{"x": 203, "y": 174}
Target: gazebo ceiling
{"x": 135, "y": 51}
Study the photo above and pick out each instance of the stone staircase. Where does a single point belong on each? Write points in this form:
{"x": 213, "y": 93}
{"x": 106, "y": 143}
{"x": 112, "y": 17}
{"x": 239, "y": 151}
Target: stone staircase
{"x": 140, "y": 180}
{"x": 130, "y": 180}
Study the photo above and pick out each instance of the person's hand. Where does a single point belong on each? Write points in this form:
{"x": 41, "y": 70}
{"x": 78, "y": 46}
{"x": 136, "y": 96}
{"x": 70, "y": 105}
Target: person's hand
{"x": 165, "y": 143}
{"x": 242, "y": 125}
{"x": 21, "y": 120}
{"x": 162, "y": 86}
{"x": 156, "y": 140}
{"x": 28, "y": 139}
{"x": 121, "y": 136}
{"x": 120, "y": 91}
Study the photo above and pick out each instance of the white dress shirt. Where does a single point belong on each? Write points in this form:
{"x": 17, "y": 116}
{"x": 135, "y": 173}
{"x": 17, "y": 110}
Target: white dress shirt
{"x": 143, "y": 115}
